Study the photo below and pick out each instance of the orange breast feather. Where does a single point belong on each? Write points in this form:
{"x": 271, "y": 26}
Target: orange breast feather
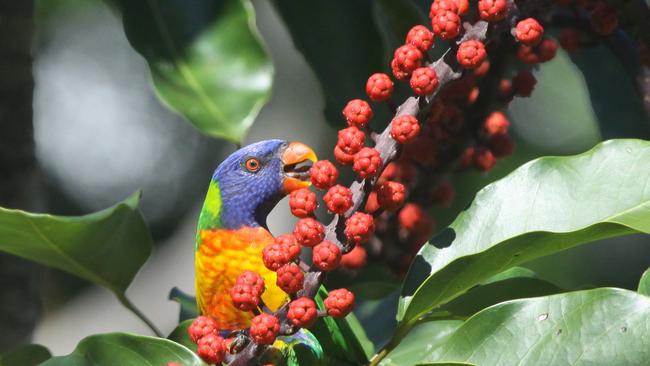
{"x": 221, "y": 257}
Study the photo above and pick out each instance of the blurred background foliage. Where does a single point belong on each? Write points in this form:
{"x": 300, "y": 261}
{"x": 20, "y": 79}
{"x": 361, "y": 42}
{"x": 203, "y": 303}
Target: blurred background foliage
{"x": 116, "y": 83}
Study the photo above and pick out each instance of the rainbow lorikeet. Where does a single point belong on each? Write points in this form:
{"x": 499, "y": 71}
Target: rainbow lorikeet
{"x": 232, "y": 228}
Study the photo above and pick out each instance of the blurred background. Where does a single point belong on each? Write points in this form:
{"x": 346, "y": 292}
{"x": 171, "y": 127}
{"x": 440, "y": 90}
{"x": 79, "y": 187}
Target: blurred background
{"x": 101, "y": 133}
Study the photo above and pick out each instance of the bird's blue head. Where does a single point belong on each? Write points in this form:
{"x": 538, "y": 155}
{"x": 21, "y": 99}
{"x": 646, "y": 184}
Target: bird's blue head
{"x": 254, "y": 178}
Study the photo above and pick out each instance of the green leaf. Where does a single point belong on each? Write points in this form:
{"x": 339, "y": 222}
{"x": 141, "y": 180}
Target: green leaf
{"x": 107, "y": 247}
{"x": 342, "y": 339}
{"x": 615, "y": 87}
{"x": 644, "y": 283}
{"x": 341, "y": 43}
{"x": 180, "y": 335}
{"x": 541, "y": 121}
{"x": 423, "y": 339}
{"x": 595, "y": 327}
{"x": 28, "y": 355}
{"x": 301, "y": 348}
{"x": 545, "y": 206}
{"x": 187, "y": 303}
{"x": 206, "y": 59}
{"x": 512, "y": 284}
{"x": 395, "y": 18}
{"x": 126, "y": 350}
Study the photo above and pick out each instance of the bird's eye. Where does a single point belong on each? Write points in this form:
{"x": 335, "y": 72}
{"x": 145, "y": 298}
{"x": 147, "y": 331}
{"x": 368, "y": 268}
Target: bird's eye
{"x": 252, "y": 165}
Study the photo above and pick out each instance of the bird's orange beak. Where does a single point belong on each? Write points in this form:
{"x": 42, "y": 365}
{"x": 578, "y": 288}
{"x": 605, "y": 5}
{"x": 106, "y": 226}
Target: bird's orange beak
{"x": 297, "y": 159}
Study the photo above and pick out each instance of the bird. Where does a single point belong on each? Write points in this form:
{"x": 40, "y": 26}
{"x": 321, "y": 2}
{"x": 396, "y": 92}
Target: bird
{"x": 232, "y": 229}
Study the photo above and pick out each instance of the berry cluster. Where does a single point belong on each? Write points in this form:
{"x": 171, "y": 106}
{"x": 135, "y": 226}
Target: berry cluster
{"x": 454, "y": 122}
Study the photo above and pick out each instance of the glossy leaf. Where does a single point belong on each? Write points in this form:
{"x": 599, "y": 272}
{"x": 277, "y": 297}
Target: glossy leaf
{"x": 644, "y": 283}
{"x": 421, "y": 342}
{"x": 395, "y": 18}
{"x": 342, "y": 56}
{"x": 512, "y": 284}
{"x": 206, "y": 59}
{"x": 545, "y": 206}
{"x": 126, "y": 350}
{"x": 615, "y": 87}
{"x": 28, "y": 355}
{"x": 595, "y": 327}
{"x": 301, "y": 348}
{"x": 542, "y": 120}
{"x": 187, "y": 304}
{"x": 181, "y": 336}
{"x": 107, "y": 247}
{"x": 343, "y": 339}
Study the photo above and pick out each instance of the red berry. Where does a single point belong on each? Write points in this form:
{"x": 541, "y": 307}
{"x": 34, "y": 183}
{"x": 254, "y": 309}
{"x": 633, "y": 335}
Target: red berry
{"x": 302, "y": 202}
{"x": 524, "y": 83}
{"x": 371, "y": 204}
{"x": 439, "y": 5}
{"x": 338, "y": 199}
{"x": 275, "y": 256}
{"x": 467, "y": 157}
{"x": 420, "y": 37}
{"x": 463, "y": 6}
{"x": 473, "y": 95}
{"x": 482, "y": 69}
{"x": 569, "y": 39}
{"x": 290, "y": 242}
{"x": 527, "y": 55}
{"x": 492, "y": 10}
{"x": 355, "y": 259}
{"x": 424, "y": 80}
{"x": 405, "y": 129}
{"x": 547, "y": 50}
{"x": 351, "y": 140}
{"x": 252, "y": 279}
{"x": 399, "y": 171}
{"x": 496, "y": 124}
{"x": 443, "y": 194}
{"x": 446, "y": 24}
{"x": 501, "y": 146}
{"x": 391, "y": 195}
{"x": 367, "y": 162}
{"x": 505, "y": 88}
{"x": 326, "y": 256}
{"x": 604, "y": 19}
{"x": 357, "y": 112}
{"x": 290, "y": 278}
{"x": 379, "y": 87}
{"x": 200, "y": 327}
{"x": 407, "y": 58}
{"x": 471, "y": 54}
{"x": 244, "y": 297}
{"x": 264, "y": 328}
{"x": 339, "y": 303}
{"x": 397, "y": 72}
{"x": 309, "y": 232}
{"x": 343, "y": 157}
{"x": 529, "y": 32}
{"x": 414, "y": 220}
{"x": 484, "y": 160}
{"x": 302, "y": 312}
{"x": 359, "y": 228}
{"x": 212, "y": 349}
{"x": 323, "y": 174}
